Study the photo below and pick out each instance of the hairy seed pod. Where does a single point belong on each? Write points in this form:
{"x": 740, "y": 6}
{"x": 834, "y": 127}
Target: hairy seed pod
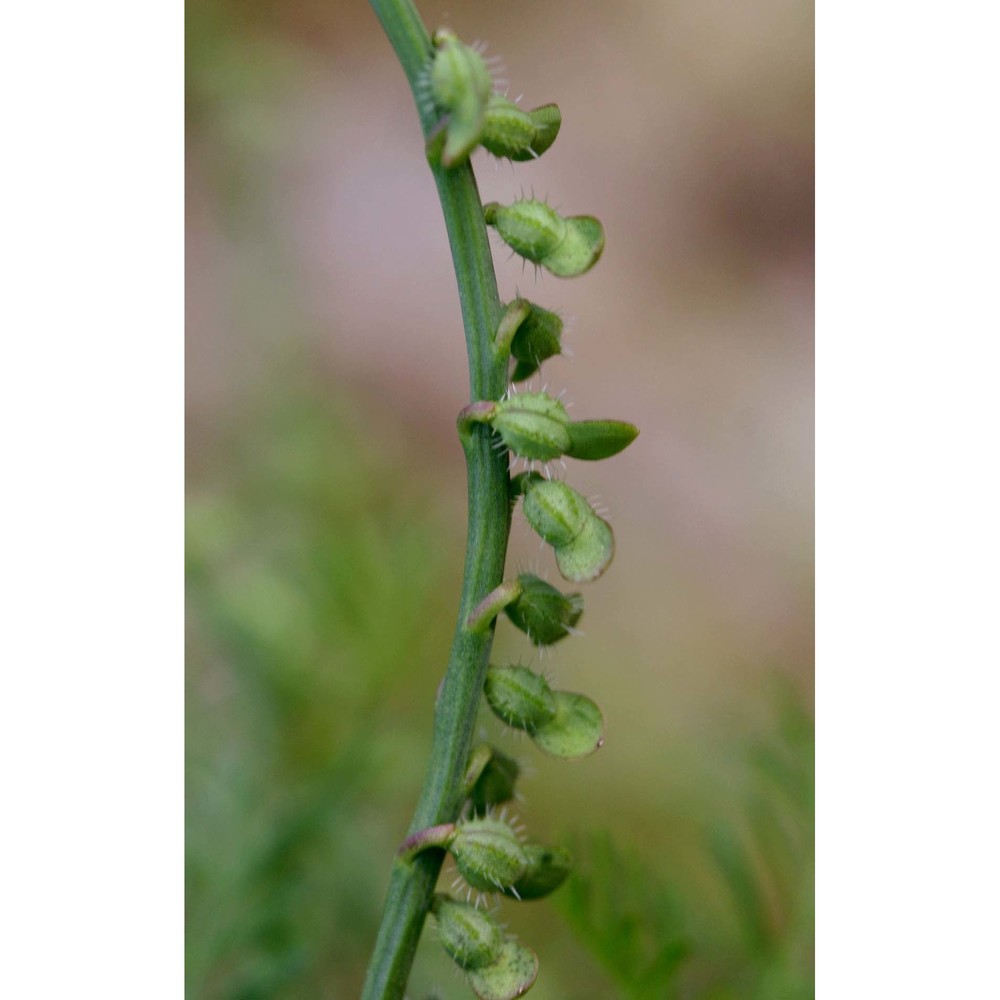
{"x": 496, "y": 782}
{"x": 584, "y": 544}
{"x": 557, "y": 512}
{"x": 461, "y": 85}
{"x": 542, "y": 612}
{"x": 580, "y": 250}
{"x": 469, "y": 935}
{"x": 533, "y": 425}
{"x": 548, "y": 868}
{"x": 593, "y": 440}
{"x": 547, "y": 120}
{"x": 487, "y": 853}
{"x": 589, "y": 554}
{"x": 538, "y": 338}
{"x": 520, "y": 697}
{"x": 566, "y": 247}
{"x": 520, "y": 135}
{"x": 530, "y": 228}
{"x": 509, "y": 977}
{"x": 576, "y": 731}
{"x": 507, "y": 131}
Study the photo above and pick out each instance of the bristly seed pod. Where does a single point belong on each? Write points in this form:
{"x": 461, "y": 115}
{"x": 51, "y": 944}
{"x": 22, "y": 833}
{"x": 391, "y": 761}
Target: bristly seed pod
{"x": 509, "y": 977}
{"x": 542, "y": 612}
{"x": 548, "y": 868}
{"x": 516, "y": 134}
{"x": 530, "y": 228}
{"x": 461, "y": 86}
{"x": 488, "y": 854}
{"x": 565, "y": 246}
{"x": 538, "y": 338}
{"x": 547, "y": 121}
{"x": 576, "y": 731}
{"x": 533, "y": 425}
{"x": 508, "y": 130}
{"x": 495, "y": 783}
{"x": 583, "y": 542}
{"x": 520, "y": 697}
{"x": 470, "y": 936}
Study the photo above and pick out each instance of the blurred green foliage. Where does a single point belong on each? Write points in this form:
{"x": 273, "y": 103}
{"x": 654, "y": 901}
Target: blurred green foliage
{"x": 754, "y": 939}
{"x": 314, "y": 589}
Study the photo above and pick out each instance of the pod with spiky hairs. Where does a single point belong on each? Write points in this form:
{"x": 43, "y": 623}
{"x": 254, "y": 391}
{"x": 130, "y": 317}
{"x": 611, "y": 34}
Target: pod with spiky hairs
{"x": 487, "y": 853}
{"x": 565, "y": 246}
{"x": 533, "y": 425}
{"x": 515, "y": 134}
{"x": 470, "y": 936}
{"x": 519, "y": 697}
{"x": 542, "y": 612}
{"x": 583, "y": 543}
{"x": 461, "y": 86}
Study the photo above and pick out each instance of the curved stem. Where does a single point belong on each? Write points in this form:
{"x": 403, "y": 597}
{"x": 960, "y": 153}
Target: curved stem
{"x": 411, "y": 885}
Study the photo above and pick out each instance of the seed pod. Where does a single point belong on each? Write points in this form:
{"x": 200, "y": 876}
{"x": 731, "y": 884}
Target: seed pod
{"x": 510, "y": 976}
{"x": 576, "y": 731}
{"x": 543, "y": 613}
{"x": 565, "y": 246}
{"x": 461, "y": 86}
{"x": 495, "y": 783}
{"x": 469, "y": 935}
{"x": 533, "y": 425}
{"x": 584, "y": 544}
{"x": 580, "y": 250}
{"x": 519, "y": 696}
{"x": 589, "y": 554}
{"x": 557, "y": 512}
{"x": 547, "y": 119}
{"x": 508, "y": 130}
{"x": 530, "y": 228}
{"x": 488, "y": 854}
{"x": 538, "y": 338}
{"x": 520, "y": 135}
{"x": 548, "y": 868}
{"x": 592, "y": 440}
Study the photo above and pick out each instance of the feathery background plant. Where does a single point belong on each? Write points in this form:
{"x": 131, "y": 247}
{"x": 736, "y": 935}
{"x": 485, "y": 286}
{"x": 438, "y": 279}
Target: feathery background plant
{"x": 334, "y": 493}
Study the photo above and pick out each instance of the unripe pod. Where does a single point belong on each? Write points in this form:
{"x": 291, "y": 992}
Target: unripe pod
{"x": 538, "y": 338}
{"x": 461, "y": 85}
{"x": 520, "y": 697}
{"x": 488, "y": 854}
{"x": 542, "y": 612}
{"x": 469, "y": 935}
{"x": 509, "y": 977}
{"x": 557, "y": 512}
{"x": 533, "y": 425}
{"x": 495, "y": 783}
{"x": 565, "y": 246}
{"x": 508, "y": 131}
{"x": 530, "y": 228}
{"x": 589, "y": 554}
{"x": 576, "y": 731}
{"x": 547, "y": 120}
{"x": 548, "y": 868}
{"x": 583, "y": 542}
{"x": 520, "y": 135}
{"x": 580, "y": 250}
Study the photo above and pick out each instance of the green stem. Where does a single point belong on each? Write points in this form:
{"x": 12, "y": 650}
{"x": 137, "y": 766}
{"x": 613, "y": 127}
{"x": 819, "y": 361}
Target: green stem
{"x": 411, "y": 885}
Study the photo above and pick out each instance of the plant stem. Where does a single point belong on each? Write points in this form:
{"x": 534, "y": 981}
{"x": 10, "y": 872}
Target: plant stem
{"x": 411, "y": 885}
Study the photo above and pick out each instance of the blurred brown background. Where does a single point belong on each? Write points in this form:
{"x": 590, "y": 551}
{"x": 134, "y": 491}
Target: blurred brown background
{"x": 325, "y": 350}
